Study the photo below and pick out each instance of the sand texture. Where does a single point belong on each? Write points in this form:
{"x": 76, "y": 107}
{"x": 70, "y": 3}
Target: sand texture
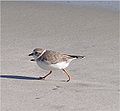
{"x": 74, "y": 29}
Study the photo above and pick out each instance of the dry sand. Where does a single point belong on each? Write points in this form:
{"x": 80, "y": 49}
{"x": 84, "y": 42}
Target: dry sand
{"x": 75, "y": 29}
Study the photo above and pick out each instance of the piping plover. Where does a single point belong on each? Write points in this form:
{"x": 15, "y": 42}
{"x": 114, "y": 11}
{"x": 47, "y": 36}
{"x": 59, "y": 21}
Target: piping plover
{"x": 51, "y": 60}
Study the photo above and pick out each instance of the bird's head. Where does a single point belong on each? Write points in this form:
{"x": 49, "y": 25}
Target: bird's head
{"x": 36, "y": 53}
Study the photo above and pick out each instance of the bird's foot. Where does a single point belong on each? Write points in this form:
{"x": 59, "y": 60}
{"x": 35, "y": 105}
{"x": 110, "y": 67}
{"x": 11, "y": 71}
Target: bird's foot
{"x": 68, "y": 80}
{"x": 41, "y": 78}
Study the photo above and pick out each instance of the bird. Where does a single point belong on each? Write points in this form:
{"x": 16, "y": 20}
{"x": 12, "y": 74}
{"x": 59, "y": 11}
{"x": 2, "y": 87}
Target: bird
{"x": 51, "y": 60}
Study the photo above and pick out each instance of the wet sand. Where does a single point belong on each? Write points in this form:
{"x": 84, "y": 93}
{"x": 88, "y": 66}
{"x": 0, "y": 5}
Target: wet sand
{"x": 74, "y": 29}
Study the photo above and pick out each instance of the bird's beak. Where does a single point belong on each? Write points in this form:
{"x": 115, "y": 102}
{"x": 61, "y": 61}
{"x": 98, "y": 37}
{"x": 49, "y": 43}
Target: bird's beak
{"x": 30, "y": 54}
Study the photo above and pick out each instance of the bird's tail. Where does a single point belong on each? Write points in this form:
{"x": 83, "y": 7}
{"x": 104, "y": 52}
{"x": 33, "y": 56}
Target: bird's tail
{"x": 77, "y": 57}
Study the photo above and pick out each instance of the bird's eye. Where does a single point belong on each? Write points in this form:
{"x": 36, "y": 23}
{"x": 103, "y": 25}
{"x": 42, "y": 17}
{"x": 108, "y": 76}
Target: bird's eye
{"x": 36, "y": 53}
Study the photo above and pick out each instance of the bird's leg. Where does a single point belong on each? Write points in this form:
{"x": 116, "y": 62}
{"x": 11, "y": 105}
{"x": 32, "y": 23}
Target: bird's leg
{"x": 66, "y": 74}
{"x": 45, "y": 75}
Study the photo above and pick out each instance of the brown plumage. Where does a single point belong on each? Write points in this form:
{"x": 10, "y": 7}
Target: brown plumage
{"x": 53, "y": 57}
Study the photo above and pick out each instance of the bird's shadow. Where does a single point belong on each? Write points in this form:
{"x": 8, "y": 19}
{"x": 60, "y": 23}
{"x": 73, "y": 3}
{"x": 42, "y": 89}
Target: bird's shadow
{"x": 20, "y": 77}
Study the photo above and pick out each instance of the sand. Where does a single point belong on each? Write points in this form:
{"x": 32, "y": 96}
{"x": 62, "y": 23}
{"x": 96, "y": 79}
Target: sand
{"x": 87, "y": 30}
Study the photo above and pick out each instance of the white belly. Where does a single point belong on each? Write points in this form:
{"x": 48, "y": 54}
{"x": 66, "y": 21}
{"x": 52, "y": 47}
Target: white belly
{"x": 46, "y": 66}
{"x": 60, "y": 65}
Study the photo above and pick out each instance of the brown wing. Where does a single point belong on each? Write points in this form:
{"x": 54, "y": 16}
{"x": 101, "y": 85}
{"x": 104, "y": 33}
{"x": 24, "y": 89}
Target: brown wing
{"x": 54, "y": 57}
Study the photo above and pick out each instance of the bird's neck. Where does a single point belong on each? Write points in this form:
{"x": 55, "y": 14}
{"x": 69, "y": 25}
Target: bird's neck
{"x": 41, "y": 53}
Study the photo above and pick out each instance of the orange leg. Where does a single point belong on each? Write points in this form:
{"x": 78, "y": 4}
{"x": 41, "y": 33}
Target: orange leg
{"x": 66, "y": 74}
{"x": 45, "y": 75}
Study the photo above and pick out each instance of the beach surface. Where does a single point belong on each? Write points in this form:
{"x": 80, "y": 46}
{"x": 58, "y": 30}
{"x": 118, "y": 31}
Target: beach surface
{"x": 89, "y": 30}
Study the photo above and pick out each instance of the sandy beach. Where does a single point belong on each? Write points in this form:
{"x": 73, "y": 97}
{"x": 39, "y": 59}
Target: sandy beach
{"x": 77, "y": 29}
